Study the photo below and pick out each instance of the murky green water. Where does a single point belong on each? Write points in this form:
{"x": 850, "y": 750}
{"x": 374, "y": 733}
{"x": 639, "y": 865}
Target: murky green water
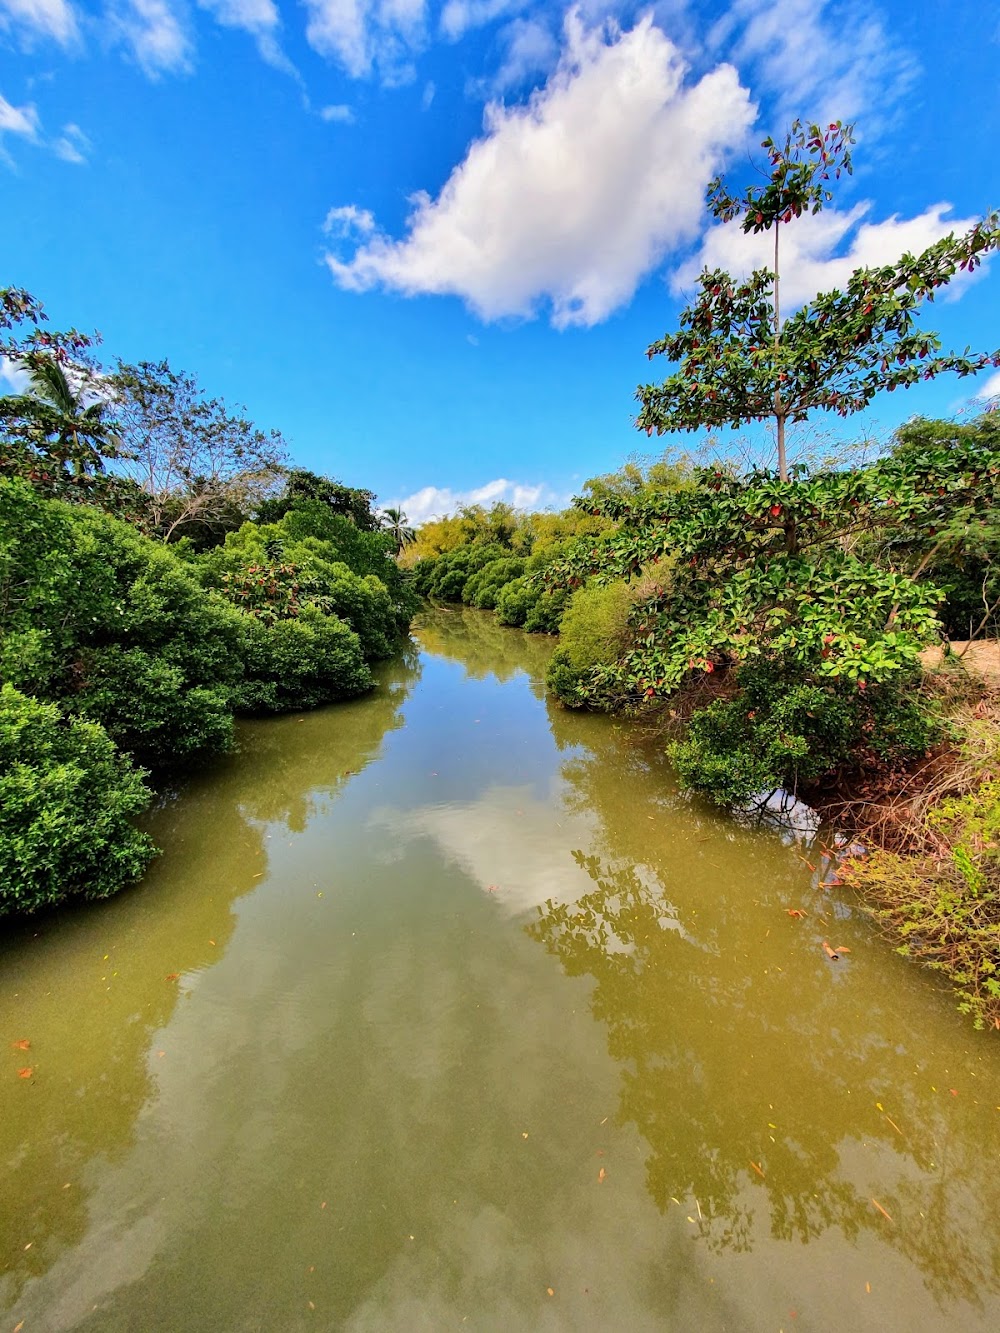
{"x": 444, "y": 1010}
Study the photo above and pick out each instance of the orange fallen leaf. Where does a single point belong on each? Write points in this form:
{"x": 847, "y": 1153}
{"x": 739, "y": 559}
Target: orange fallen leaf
{"x": 830, "y": 953}
{"x": 18, "y": 1327}
{"x": 172, "y": 976}
{"x": 323, "y": 1204}
{"x": 550, "y": 1291}
{"x": 602, "y": 1175}
{"x": 758, "y": 1170}
{"x": 881, "y": 1209}
{"x": 23, "y": 1045}
{"x": 842, "y": 948}
{"x": 212, "y": 943}
{"x": 26, "y": 1072}
{"x": 868, "y": 1288}
{"x": 796, "y": 912}
{"x": 492, "y": 888}
{"x": 953, "y": 1091}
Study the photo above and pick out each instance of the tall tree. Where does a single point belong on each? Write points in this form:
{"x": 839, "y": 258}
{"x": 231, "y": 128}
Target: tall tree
{"x": 397, "y": 525}
{"x": 61, "y": 416}
{"x": 740, "y": 362}
{"x": 199, "y": 463}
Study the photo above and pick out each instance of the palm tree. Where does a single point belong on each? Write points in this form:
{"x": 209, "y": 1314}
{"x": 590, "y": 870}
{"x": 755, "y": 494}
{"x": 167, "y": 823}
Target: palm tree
{"x": 396, "y": 524}
{"x": 67, "y": 421}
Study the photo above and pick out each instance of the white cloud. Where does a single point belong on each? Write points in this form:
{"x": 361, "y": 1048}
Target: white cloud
{"x": 458, "y": 16}
{"x": 823, "y": 59}
{"x": 19, "y": 119}
{"x": 991, "y": 388}
{"x": 575, "y": 197}
{"x": 13, "y": 377}
{"x": 45, "y": 18}
{"x": 363, "y": 34}
{"x": 261, "y": 20}
{"x": 815, "y": 253}
{"x": 348, "y": 221}
{"x": 436, "y": 501}
{"x": 72, "y": 145}
{"x": 340, "y": 114}
{"x": 155, "y": 35}
{"x": 430, "y": 88}
{"x": 530, "y": 49}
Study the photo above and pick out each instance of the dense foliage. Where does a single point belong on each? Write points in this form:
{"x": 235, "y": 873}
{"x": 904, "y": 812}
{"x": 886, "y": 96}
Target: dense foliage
{"x": 117, "y": 649}
{"x": 66, "y": 801}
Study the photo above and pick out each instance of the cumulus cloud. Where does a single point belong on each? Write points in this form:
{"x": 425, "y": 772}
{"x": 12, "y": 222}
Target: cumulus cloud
{"x": 820, "y": 251}
{"x": 436, "y": 501}
{"x": 822, "y": 59}
{"x": 40, "y": 18}
{"x": 991, "y": 388}
{"x": 364, "y": 34}
{"x": 573, "y": 198}
{"x": 155, "y": 35}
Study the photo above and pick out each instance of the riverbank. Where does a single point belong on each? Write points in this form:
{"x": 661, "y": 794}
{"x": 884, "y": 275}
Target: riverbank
{"x": 931, "y": 873}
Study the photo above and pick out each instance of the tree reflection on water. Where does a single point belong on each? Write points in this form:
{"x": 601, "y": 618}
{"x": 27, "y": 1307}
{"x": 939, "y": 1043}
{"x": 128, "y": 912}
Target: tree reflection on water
{"x": 762, "y": 1095}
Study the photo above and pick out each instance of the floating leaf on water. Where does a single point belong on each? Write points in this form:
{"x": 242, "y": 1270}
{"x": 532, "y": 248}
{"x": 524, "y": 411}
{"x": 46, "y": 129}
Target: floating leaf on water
{"x": 23, "y": 1045}
{"x": 881, "y": 1209}
{"x": 550, "y": 1291}
{"x": 172, "y": 976}
{"x": 26, "y": 1072}
{"x": 758, "y": 1170}
{"x": 602, "y": 1175}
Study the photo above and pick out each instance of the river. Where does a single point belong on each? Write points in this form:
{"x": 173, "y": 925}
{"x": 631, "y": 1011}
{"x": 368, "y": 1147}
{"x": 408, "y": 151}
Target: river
{"x": 444, "y": 1009}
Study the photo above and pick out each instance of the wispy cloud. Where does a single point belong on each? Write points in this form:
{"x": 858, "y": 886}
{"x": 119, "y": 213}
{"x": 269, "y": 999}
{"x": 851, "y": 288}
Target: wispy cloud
{"x": 22, "y": 120}
{"x": 29, "y": 19}
{"x": 72, "y": 145}
{"x": 368, "y": 35}
{"x": 819, "y": 59}
{"x": 572, "y": 199}
{"x": 337, "y": 115}
{"x": 155, "y": 36}
{"x": 459, "y": 16}
{"x": 991, "y": 387}
{"x": 261, "y": 20}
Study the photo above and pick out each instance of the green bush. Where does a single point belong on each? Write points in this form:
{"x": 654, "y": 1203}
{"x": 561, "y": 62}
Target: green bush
{"x": 66, "y": 797}
{"x": 516, "y": 600}
{"x": 545, "y": 615}
{"x": 484, "y": 587}
{"x": 593, "y": 633}
{"x": 261, "y": 573}
{"x": 301, "y": 663}
{"x": 782, "y": 731}
{"x": 114, "y": 627}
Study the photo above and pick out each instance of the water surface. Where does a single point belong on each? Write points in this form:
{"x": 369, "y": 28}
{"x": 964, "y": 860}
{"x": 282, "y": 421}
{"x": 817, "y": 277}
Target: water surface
{"x": 444, "y": 1009}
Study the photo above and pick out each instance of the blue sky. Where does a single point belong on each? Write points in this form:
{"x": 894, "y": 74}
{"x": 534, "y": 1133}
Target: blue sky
{"x": 429, "y": 242}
